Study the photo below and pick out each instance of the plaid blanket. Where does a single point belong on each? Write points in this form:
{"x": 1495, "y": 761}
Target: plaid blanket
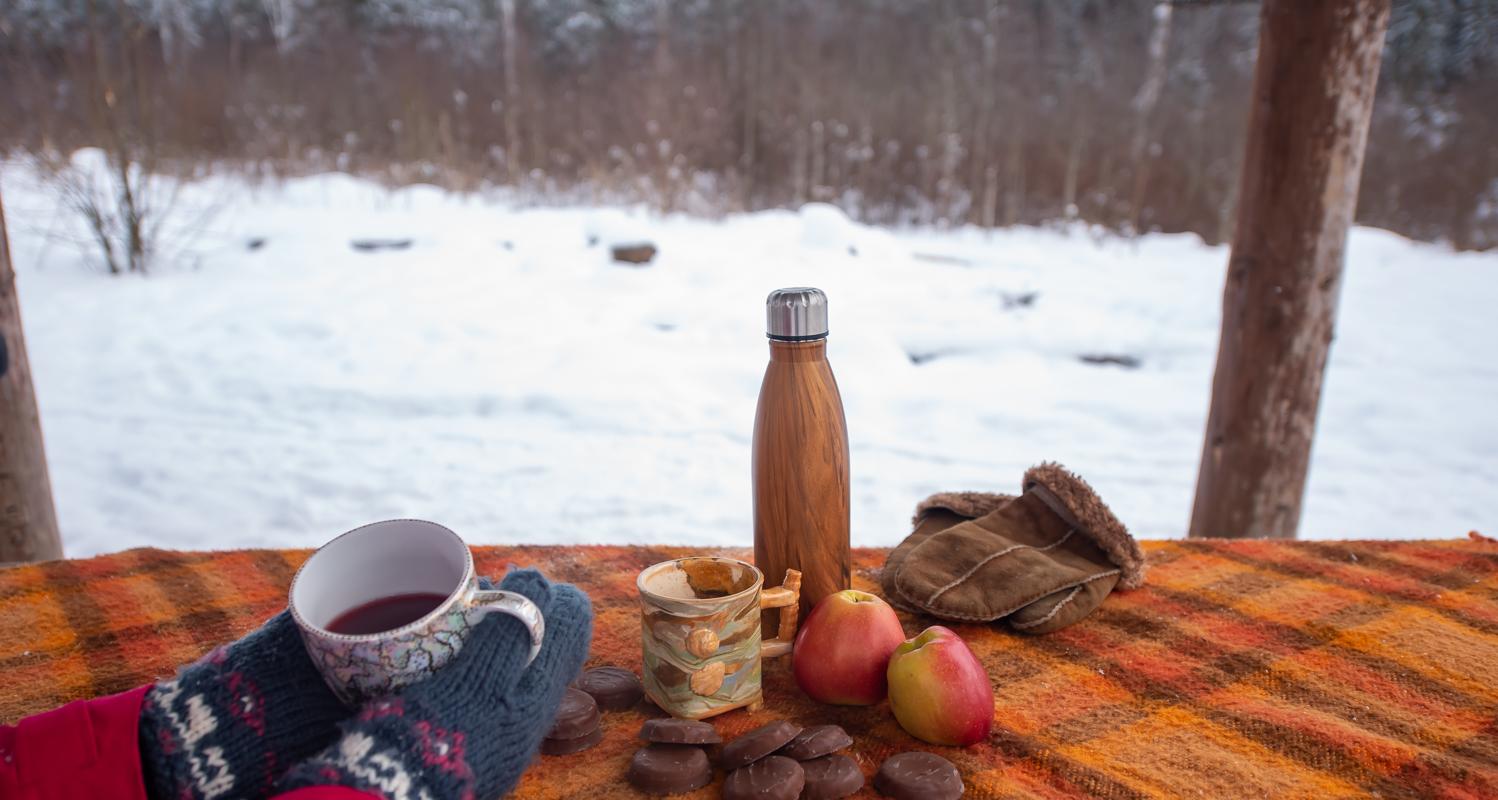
{"x": 1242, "y": 668}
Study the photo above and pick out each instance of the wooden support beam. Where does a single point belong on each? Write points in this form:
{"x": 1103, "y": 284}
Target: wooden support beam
{"x": 28, "y": 522}
{"x": 1312, "y": 97}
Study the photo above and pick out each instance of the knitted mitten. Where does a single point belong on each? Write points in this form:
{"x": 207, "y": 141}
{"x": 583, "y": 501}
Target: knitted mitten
{"x": 232, "y": 723}
{"x": 471, "y": 729}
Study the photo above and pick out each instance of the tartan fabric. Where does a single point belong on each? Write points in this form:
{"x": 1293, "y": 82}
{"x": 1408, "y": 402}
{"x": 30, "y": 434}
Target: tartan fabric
{"x": 1241, "y": 669}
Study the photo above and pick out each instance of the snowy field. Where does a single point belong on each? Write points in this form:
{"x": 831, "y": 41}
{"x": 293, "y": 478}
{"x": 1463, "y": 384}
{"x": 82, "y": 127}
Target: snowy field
{"x": 502, "y": 376}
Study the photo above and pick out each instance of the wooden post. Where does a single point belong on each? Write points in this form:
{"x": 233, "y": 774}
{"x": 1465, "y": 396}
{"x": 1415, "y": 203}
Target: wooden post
{"x": 28, "y": 523}
{"x": 1312, "y": 96}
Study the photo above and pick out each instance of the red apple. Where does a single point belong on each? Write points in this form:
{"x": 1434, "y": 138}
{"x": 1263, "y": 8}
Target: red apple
{"x": 842, "y": 651}
{"x": 938, "y": 690}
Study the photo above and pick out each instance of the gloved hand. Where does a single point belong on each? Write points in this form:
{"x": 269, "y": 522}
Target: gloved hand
{"x": 232, "y": 723}
{"x": 470, "y": 730}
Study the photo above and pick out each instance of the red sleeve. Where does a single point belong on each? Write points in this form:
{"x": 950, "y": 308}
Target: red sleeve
{"x": 88, "y": 749}
{"x": 91, "y": 749}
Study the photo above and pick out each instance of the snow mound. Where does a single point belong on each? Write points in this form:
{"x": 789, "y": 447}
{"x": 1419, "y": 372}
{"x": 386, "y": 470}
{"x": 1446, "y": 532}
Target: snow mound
{"x": 825, "y": 225}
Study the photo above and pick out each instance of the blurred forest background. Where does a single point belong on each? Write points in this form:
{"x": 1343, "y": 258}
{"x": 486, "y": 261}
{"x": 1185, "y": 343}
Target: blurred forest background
{"x": 1127, "y": 114}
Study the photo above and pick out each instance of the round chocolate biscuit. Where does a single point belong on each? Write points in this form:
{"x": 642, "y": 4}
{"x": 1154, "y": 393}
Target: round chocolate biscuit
{"x": 679, "y": 731}
{"x": 816, "y": 741}
{"x": 577, "y": 716}
{"x": 918, "y": 776}
{"x": 770, "y": 778}
{"x": 831, "y": 777}
{"x": 563, "y": 747}
{"x": 757, "y": 744}
{"x": 615, "y": 688}
{"x": 663, "y": 769}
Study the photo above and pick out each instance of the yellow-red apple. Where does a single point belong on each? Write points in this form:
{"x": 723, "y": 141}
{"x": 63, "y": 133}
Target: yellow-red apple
{"x": 842, "y": 651}
{"x": 939, "y": 691}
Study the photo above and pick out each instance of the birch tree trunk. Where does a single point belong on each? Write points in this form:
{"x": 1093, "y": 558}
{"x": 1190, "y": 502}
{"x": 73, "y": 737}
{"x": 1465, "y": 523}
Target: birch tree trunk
{"x": 28, "y": 522}
{"x": 982, "y": 171}
{"x": 1144, "y": 110}
{"x": 1312, "y": 97}
{"x": 511, "y": 43}
{"x": 748, "y": 136}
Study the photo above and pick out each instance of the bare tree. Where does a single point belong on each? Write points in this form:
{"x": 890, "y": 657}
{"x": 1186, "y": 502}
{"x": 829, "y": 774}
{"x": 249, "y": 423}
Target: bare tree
{"x": 1312, "y": 98}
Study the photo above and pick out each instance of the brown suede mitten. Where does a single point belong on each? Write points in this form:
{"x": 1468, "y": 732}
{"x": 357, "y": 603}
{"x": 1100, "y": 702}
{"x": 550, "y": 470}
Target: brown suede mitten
{"x": 1043, "y": 560}
{"x": 936, "y": 513}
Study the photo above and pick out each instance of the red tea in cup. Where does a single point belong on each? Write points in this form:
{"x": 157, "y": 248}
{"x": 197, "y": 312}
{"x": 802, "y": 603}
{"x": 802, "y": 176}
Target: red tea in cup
{"x": 385, "y": 613}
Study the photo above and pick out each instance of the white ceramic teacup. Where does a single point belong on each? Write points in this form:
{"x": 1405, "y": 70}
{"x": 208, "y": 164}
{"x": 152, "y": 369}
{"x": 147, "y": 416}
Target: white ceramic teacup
{"x": 383, "y": 560}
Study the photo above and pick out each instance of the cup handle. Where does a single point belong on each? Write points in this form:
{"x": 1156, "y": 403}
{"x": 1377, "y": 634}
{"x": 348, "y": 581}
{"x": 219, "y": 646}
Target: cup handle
{"x": 486, "y": 601}
{"x": 787, "y": 598}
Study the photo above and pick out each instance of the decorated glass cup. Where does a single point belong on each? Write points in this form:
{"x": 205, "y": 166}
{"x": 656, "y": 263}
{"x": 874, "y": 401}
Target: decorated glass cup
{"x": 381, "y": 569}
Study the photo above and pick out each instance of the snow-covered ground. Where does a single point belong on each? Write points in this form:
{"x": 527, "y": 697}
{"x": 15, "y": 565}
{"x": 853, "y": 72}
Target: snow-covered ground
{"x": 504, "y": 377}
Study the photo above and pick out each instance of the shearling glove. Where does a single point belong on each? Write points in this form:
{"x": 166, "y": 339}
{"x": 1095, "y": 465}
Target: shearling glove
{"x": 1041, "y": 561}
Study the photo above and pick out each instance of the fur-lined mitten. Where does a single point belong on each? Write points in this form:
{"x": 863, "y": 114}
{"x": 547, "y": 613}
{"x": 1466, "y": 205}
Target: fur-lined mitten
{"x": 1042, "y": 560}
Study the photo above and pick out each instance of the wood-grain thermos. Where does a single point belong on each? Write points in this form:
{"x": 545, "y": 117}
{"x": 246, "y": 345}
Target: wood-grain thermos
{"x": 801, "y": 452}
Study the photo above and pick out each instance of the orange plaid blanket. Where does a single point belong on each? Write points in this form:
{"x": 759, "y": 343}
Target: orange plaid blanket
{"x": 1247, "y": 668}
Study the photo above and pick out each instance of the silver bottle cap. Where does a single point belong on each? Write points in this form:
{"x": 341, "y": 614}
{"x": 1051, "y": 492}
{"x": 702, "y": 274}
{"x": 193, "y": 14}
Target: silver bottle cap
{"x": 797, "y": 314}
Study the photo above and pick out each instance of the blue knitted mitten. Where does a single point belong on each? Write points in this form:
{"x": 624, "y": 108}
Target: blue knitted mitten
{"x": 231, "y": 724}
{"x": 470, "y": 730}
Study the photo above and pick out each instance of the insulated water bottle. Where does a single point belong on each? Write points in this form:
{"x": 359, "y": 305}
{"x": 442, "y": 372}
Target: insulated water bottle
{"x": 801, "y": 452}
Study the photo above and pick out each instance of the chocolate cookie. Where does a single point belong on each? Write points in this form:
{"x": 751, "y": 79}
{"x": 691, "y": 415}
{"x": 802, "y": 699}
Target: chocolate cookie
{"x": 816, "y": 741}
{"x": 577, "y": 716}
{"x": 562, "y": 747}
{"x": 918, "y": 776}
{"x": 614, "y": 688}
{"x": 663, "y": 769}
{"x": 679, "y": 731}
{"x": 770, "y": 778}
{"x": 831, "y": 777}
{"x": 757, "y": 744}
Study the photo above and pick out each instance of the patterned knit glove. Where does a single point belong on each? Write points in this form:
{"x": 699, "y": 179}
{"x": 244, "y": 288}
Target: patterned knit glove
{"x": 231, "y": 724}
{"x": 470, "y": 730}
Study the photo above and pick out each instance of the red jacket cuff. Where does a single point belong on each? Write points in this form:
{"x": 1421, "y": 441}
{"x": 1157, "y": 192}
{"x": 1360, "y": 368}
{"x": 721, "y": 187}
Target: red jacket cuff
{"x": 85, "y": 749}
{"x": 91, "y": 749}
